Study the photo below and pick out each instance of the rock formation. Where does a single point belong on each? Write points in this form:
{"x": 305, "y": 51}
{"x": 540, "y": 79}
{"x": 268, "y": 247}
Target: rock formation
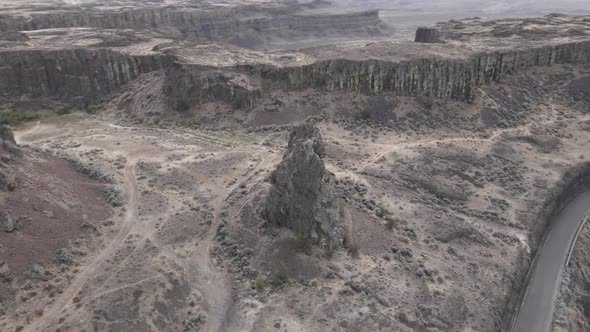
{"x": 185, "y": 86}
{"x": 6, "y": 134}
{"x": 208, "y": 23}
{"x": 7, "y": 149}
{"x": 303, "y": 195}
{"x": 470, "y": 54}
{"x": 14, "y": 36}
{"x": 73, "y": 74}
{"x": 427, "y": 35}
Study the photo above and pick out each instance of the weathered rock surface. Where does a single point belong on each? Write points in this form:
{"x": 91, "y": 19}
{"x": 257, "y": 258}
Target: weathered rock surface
{"x": 13, "y": 36}
{"x": 7, "y": 223}
{"x": 70, "y": 75}
{"x": 6, "y": 134}
{"x": 303, "y": 195}
{"x": 456, "y": 79}
{"x": 185, "y": 86}
{"x": 427, "y": 35}
{"x": 213, "y": 22}
{"x": 4, "y": 270}
{"x": 7, "y": 177}
{"x": 470, "y": 55}
{"x": 7, "y": 149}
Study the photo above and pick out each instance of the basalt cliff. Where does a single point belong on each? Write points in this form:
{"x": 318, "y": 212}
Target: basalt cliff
{"x": 87, "y": 64}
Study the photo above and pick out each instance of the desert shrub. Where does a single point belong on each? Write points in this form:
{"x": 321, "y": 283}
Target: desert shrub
{"x": 63, "y": 256}
{"x": 113, "y": 197}
{"x": 389, "y": 223}
{"x": 63, "y": 111}
{"x": 426, "y": 101}
{"x": 279, "y": 278}
{"x": 304, "y": 244}
{"x": 90, "y": 108}
{"x": 190, "y": 122}
{"x": 392, "y": 222}
{"x": 377, "y": 108}
{"x": 14, "y": 118}
{"x": 194, "y": 322}
{"x": 260, "y": 283}
{"x": 341, "y": 209}
{"x": 329, "y": 253}
{"x": 354, "y": 250}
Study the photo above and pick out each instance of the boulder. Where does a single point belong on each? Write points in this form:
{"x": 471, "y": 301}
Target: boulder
{"x": 7, "y": 177}
{"x": 7, "y": 223}
{"x": 427, "y": 35}
{"x": 4, "y": 270}
{"x": 6, "y": 134}
{"x": 303, "y": 196}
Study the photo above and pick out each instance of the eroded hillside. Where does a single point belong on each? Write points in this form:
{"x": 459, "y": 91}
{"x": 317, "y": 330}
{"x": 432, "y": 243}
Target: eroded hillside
{"x": 414, "y": 196}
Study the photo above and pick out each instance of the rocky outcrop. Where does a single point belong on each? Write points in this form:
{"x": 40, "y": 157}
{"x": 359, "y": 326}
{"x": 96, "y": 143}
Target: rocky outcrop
{"x": 81, "y": 75}
{"x": 7, "y": 177}
{"x": 13, "y": 36}
{"x": 187, "y": 85}
{"x": 303, "y": 195}
{"x": 440, "y": 78}
{"x": 427, "y": 35}
{"x": 197, "y": 23}
{"x": 7, "y": 151}
{"x": 7, "y": 223}
{"x": 6, "y": 134}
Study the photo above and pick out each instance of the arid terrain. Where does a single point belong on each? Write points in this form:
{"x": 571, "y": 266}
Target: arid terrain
{"x": 156, "y": 172}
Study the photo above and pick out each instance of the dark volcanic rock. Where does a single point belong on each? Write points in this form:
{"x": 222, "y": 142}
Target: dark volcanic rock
{"x": 6, "y": 134}
{"x": 186, "y": 86}
{"x": 7, "y": 177}
{"x": 427, "y": 35}
{"x": 80, "y": 74}
{"x": 13, "y": 36}
{"x": 303, "y": 195}
{"x": 7, "y": 223}
{"x": 7, "y": 149}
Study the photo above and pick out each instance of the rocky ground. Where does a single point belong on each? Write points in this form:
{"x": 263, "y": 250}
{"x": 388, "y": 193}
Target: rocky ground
{"x": 176, "y": 180}
{"x": 443, "y": 203}
{"x": 50, "y": 216}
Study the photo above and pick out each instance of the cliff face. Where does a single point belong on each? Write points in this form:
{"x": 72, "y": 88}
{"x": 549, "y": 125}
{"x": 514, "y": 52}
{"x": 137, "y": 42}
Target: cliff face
{"x": 88, "y": 74}
{"x": 211, "y": 24}
{"x": 135, "y": 18}
{"x": 70, "y": 75}
{"x": 8, "y": 150}
{"x": 427, "y": 35}
{"x": 91, "y": 73}
{"x": 185, "y": 86}
{"x": 447, "y": 79}
{"x": 452, "y": 79}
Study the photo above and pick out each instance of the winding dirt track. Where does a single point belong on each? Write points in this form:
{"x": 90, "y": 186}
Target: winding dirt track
{"x": 64, "y": 301}
{"x": 197, "y": 269}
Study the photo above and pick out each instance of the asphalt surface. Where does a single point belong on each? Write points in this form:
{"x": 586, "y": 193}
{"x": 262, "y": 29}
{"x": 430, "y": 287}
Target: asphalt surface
{"x": 535, "y": 313}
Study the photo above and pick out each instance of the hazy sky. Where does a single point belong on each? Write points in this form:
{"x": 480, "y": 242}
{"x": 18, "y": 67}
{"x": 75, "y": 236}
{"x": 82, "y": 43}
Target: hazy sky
{"x": 486, "y": 6}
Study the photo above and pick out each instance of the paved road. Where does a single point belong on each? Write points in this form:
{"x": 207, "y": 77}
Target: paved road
{"x": 535, "y": 313}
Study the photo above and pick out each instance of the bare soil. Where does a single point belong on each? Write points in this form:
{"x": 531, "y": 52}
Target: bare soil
{"x": 441, "y": 203}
